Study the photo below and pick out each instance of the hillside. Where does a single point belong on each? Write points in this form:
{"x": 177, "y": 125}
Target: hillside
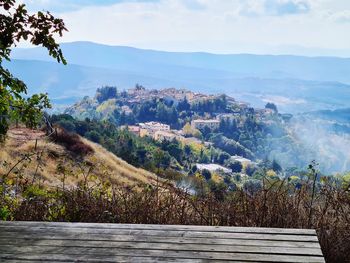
{"x": 254, "y": 133}
{"x": 51, "y": 163}
{"x": 294, "y": 83}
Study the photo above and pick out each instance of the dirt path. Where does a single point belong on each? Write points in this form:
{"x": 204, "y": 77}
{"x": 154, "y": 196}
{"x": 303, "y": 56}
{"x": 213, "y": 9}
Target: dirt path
{"x": 21, "y": 135}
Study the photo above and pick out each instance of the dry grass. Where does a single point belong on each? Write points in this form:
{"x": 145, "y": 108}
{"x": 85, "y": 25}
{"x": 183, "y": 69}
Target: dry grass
{"x": 121, "y": 168}
{"x": 51, "y": 164}
{"x": 282, "y": 207}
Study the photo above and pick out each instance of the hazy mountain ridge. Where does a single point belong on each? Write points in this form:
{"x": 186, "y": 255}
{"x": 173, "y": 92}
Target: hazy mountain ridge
{"x": 263, "y": 66}
{"x": 294, "y": 83}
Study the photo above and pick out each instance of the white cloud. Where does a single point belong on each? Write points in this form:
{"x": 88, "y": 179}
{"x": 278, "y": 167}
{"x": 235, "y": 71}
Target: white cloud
{"x": 342, "y": 16}
{"x": 223, "y": 26}
{"x": 287, "y": 7}
{"x": 274, "y": 7}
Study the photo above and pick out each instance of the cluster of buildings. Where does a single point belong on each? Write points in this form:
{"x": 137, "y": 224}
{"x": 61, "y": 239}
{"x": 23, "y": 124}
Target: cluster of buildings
{"x": 156, "y": 130}
{"x": 160, "y": 131}
{"x": 140, "y": 94}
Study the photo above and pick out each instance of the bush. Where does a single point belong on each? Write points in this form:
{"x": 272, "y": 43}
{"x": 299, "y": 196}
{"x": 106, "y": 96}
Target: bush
{"x": 5, "y": 213}
{"x": 283, "y": 207}
{"x": 72, "y": 142}
{"x": 34, "y": 191}
{"x": 93, "y": 136}
{"x": 206, "y": 174}
{"x": 67, "y": 125}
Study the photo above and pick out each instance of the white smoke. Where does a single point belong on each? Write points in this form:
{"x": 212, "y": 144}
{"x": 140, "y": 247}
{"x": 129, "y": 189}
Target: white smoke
{"x": 329, "y": 149}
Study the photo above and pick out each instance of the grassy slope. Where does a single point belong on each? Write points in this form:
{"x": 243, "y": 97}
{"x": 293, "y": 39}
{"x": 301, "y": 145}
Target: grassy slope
{"x": 50, "y": 159}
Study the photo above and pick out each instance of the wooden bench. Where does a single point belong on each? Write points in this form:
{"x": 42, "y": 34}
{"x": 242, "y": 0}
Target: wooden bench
{"x": 86, "y": 242}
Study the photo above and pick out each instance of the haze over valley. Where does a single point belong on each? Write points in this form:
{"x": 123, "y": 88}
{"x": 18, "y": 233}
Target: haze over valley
{"x": 294, "y": 83}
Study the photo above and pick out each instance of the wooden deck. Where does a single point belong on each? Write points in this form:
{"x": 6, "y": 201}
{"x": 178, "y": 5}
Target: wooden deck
{"x": 80, "y": 242}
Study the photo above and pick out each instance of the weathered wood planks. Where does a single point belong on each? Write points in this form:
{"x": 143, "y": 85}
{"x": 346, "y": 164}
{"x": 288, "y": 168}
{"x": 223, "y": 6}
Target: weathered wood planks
{"x": 90, "y": 242}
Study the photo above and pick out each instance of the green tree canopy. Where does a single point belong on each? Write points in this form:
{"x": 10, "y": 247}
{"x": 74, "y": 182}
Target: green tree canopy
{"x": 106, "y": 93}
{"x": 17, "y": 25}
{"x": 235, "y": 166}
{"x": 271, "y": 106}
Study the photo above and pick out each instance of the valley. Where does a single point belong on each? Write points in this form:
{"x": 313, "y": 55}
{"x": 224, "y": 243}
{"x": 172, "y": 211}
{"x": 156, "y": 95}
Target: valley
{"x": 213, "y": 129}
{"x": 294, "y": 83}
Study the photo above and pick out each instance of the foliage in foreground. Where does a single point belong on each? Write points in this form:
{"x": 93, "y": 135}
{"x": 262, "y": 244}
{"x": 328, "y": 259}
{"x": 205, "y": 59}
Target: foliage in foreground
{"x": 17, "y": 25}
{"x": 277, "y": 204}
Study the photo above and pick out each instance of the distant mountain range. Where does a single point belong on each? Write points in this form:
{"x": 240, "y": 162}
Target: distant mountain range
{"x": 294, "y": 83}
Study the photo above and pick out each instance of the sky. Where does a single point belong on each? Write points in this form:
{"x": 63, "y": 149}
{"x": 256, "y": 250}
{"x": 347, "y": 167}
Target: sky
{"x": 299, "y": 27}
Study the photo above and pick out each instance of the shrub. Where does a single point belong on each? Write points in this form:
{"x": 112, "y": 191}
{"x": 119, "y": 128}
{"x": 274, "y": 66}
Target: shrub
{"x": 34, "y": 191}
{"x": 283, "y": 207}
{"x": 72, "y": 142}
{"x": 93, "y": 136}
{"x": 206, "y": 174}
{"x": 67, "y": 125}
{"x": 5, "y": 213}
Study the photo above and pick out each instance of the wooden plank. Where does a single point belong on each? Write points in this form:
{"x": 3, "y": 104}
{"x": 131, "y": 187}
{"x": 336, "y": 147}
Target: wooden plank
{"x": 4, "y": 238}
{"x": 98, "y": 259}
{"x": 71, "y": 242}
{"x": 119, "y": 259}
{"x": 290, "y": 231}
{"x": 75, "y": 252}
{"x": 163, "y": 233}
{"x": 166, "y": 246}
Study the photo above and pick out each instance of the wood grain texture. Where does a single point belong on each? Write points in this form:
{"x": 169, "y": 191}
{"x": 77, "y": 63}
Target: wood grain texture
{"x": 90, "y": 242}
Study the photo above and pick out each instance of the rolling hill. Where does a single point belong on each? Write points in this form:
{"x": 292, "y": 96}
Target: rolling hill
{"x": 294, "y": 83}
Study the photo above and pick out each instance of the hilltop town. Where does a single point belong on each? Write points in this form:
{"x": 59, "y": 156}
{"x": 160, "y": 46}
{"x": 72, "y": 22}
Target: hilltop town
{"x": 221, "y": 130}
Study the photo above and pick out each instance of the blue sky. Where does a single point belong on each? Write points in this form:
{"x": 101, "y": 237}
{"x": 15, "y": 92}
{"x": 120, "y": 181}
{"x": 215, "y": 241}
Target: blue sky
{"x": 72, "y": 5}
{"x": 306, "y": 27}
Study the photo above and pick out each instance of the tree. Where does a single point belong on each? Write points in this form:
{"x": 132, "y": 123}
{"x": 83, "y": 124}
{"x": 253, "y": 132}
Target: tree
{"x": 218, "y": 189}
{"x": 252, "y": 186}
{"x": 206, "y": 174}
{"x": 230, "y": 184}
{"x": 67, "y": 125}
{"x": 250, "y": 169}
{"x": 223, "y": 156}
{"x": 175, "y": 150}
{"x": 93, "y": 136}
{"x": 184, "y": 105}
{"x": 271, "y": 106}
{"x": 106, "y": 93}
{"x": 161, "y": 159}
{"x": 235, "y": 166}
{"x": 276, "y": 167}
{"x": 139, "y": 87}
{"x": 187, "y": 129}
{"x": 17, "y": 25}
